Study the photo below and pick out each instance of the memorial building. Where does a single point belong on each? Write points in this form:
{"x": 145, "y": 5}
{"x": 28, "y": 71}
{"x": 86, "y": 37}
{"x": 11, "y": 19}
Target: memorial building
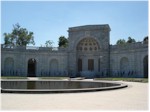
{"x": 89, "y": 54}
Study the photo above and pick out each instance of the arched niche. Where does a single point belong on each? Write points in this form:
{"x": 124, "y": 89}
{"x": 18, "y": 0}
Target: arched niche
{"x": 9, "y": 66}
{"x": 53, "y": 66}
{"x": 124, "y": 64}
{"x": 32, "y": 67}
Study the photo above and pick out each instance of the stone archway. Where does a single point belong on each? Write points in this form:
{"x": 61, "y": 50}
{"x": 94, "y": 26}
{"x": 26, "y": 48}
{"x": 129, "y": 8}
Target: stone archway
{"x": 53, "y": 67}
{"x": 31, "y": 68}
{"x": 145, "y": 66}
{"x": 85, "y": 48}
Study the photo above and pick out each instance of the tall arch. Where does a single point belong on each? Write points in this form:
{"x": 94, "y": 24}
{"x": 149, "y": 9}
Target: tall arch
{"x": 124, "y": 64}
{"x": 53, "y": 66}
{"x": 9, "y": 66}
{"x": 32, "y": 67}
{"x": 86, "y": 46}
{"x": 145, "y": 66}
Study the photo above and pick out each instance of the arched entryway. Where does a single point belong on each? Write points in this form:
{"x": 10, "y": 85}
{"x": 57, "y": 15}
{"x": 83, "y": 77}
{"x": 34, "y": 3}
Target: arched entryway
{"x": 145, "y": 66}
{"x": 31, "y": 68}
{"x": 54, "y": 67}
{"x": 86, "y": 49}
{"x": 9, "y": 66}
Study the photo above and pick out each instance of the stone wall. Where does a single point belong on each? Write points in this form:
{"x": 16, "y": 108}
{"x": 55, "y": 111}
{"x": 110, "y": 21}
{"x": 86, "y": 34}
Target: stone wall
{"x": 134, "y": 54}
{"x": 90, "y": 45}
{"x": 42, "y": 57}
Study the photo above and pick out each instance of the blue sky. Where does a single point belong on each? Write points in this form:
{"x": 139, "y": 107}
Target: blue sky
{"x": 49, "y": 20}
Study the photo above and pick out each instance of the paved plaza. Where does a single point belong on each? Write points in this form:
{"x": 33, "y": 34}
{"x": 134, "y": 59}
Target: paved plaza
{"x": 134, "y": 97}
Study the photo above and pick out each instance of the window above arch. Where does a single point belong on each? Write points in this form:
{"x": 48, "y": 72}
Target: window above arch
{"x": 88, "y": 44}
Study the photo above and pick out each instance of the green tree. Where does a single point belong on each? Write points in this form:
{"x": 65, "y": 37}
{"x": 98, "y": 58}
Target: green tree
{"x": 49, "y": 43}
{"x": 63, "y": 41}
{"x": 18, "y": 37}
{"x": 145, "y": 40}
{"x": 131, "y": 40}
{"x": 121, "y": 42}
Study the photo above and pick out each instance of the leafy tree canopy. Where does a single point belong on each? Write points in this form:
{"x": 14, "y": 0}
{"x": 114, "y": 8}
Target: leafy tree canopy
{"x": 121, "y": 42}
{"x": 63, "y": 41}
{"x": 131, "y": 40}
{"x": 49, "y": 43}
{"x": 18, "y": 37}
{"x": 145, "y": 40}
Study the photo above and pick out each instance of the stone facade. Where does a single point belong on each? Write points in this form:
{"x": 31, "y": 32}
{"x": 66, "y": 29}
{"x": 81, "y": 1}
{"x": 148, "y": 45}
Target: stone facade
{"x": 89, "y": 54}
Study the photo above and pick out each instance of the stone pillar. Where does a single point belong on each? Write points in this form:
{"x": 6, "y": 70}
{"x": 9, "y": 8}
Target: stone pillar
{"x": 96, "y": 64}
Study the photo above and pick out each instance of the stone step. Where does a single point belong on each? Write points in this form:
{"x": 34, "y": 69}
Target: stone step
{"x": 33, "y": 78}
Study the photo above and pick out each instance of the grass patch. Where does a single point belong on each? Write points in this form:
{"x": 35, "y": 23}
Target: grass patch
{"x": 13, "y": 77}
{"x": 144, "y": 80}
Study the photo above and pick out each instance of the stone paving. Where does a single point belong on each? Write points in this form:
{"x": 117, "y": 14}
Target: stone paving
{"x": 135, "y": 97}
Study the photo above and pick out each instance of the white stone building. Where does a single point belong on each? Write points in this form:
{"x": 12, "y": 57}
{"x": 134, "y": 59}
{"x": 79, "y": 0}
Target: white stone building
{"x": 89, "y": 54}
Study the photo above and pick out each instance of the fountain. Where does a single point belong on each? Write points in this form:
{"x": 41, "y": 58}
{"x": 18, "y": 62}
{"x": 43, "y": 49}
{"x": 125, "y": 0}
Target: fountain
{"x": 46, "y": 86}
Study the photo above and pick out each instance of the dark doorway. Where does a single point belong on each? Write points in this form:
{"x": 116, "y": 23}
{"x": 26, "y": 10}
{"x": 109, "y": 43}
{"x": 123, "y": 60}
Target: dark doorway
{"x": 145, "y": 63}
{"x": 31, "y": 68}
{"x": 79, "y": 65}
{"x": 90, "y": 64}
